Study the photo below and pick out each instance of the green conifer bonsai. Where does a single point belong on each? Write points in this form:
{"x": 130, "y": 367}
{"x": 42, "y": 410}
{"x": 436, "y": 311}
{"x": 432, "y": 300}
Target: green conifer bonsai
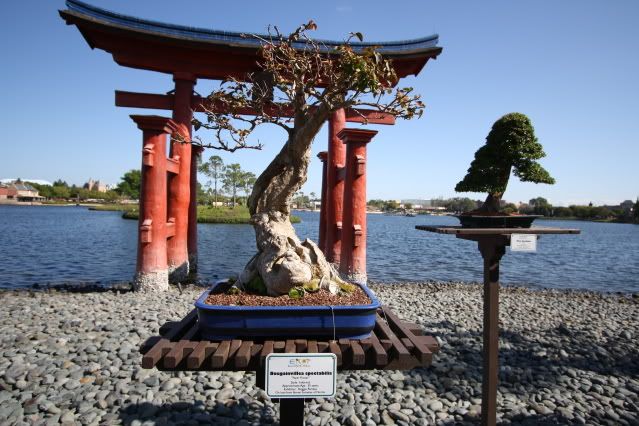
{"x": 511, "y": 146}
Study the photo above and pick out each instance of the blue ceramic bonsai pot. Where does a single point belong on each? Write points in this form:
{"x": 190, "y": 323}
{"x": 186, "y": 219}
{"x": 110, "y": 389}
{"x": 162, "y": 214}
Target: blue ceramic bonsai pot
{"x": 218, "y": 322}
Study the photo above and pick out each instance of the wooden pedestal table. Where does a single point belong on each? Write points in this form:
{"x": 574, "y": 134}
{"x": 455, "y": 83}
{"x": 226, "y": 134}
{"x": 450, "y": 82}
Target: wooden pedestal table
{"x": 393, "y": 345}
{"x": 492, "y": 244}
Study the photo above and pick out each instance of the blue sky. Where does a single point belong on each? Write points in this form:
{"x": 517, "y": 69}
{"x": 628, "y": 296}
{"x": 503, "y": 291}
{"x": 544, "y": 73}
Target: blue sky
{"x": 571, "y": 66}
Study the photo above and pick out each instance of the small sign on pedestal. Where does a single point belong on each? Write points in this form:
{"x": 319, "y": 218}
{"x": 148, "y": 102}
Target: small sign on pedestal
{"x": 301, "y": 375}
{"x": 523, "y": 242}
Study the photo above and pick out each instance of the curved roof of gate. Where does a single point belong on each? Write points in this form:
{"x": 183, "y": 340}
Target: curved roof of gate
{"x": 214, "y": 54}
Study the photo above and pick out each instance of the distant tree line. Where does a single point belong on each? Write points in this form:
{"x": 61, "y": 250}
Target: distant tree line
{"x": 623, "y": 213}
{"x": 384, "y": 205}
{"x": 538, "y": 206}
{"x": 60, "y": 190}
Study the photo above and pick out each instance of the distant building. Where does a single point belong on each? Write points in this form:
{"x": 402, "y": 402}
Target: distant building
{"x": 19, "y": 192}
{"x": 417, "y": 204}
{"x": 627, "y": 205}
{"x": 7, "y": 193}
{"x": 96, "y": 185}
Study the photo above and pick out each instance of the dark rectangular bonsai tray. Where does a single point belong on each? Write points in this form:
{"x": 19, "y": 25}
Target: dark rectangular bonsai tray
{"x": 393, "y": 345}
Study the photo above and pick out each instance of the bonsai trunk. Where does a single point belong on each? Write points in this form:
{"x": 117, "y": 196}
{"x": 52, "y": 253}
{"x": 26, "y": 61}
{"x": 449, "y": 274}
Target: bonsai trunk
{"x": 492, "y": 205}
{"x": 282, "y": 260}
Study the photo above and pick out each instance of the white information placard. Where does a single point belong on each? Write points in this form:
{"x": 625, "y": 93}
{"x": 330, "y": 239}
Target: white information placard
{"x": 523, "y": 242}
{"x": 301, "y": 375}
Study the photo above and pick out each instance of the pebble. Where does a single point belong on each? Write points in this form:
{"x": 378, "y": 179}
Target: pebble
{"x": 71, "y": 358}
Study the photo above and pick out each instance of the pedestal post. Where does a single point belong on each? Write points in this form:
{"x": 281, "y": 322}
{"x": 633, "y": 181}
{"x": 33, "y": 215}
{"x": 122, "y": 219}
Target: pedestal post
{"x": 323, "y": 156}
{"x": 196, "y": 153}
{"x": 151, "y": 267}
{"x": 335, "y": 186}
{"x": 492, "y": 248}
{"x": 353, "y": 251}
{"x": 179, "y": 184}
{"x": 291, "y": 412}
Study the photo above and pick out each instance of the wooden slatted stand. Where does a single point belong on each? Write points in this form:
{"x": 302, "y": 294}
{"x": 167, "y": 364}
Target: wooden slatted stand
{"x": 393, "y": 345}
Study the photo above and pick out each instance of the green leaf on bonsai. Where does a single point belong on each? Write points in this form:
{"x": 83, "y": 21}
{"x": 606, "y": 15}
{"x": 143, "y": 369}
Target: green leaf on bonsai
{"x": 312, "y": 286}
{"x": 296, "y": 293}
{"x": 347, "y": 288}
{"x": 256, "y": 286}
{"x": 233, "y": 290}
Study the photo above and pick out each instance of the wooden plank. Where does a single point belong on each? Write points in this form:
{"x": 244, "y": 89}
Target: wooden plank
{"x": 312, "y": 347}
{"x": 381, "y": 357}
{"x": 164, "y": 328}
{"x": 358, "y": 355}
{"x": 178, "y": 330}
{"x": 254, "y": 361}
{"x": 397, "y": 349}
{"x": 200, "y": 353}
{"x": 344, "y": 344}
{"x": 181, "y": 348}
{"x": 416, "y": 329}
{"x": 290, "y": 347}
{"x": 221, "y": 354}
{"x": 420, "y": 350}
{"x": 366, "y": 344}
{"x": 268, "y": 348}
{"x": 149, "y": 343}
{"x": 301, "y": 345}
{"x": 243, "y": 355}
{"x": 235, "y": 346}
{"x": 155, "y": 354}
{"x": 159, "y": 101}
{"x": 256, "y": 348}
{"x": 334, "y": 348}
{"x": 322, "y": 346}
{"x": 409, "y": 345}
{"x": 386, "y": 343}
{"x": 347, "y": 353}
{"x": 279, "y": 345}
{"x": 430, "y": 342}
{"x": 458, "y": 230}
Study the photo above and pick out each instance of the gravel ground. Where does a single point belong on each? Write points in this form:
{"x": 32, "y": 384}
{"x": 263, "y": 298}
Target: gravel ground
{"x": 566, "y": 358}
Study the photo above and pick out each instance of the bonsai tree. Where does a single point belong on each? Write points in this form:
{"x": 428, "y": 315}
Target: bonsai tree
{"x": 511, "y": 146}
{"x": 306, "y": 80}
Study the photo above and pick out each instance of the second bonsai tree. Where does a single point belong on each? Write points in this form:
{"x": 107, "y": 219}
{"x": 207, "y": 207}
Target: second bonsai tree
{"x": 511, "y": 147}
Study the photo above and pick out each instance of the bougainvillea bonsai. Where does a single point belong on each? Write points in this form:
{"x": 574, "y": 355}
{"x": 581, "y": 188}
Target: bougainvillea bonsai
{"x": 511, "y": 147}
{"x": 307, "y": 80}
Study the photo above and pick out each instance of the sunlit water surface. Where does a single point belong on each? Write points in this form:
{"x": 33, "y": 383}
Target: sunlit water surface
{"x": 50, "y": 245}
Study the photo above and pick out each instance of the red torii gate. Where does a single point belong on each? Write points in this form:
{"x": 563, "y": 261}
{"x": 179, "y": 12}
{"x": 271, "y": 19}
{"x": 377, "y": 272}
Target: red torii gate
{"x": 167, "y": 237}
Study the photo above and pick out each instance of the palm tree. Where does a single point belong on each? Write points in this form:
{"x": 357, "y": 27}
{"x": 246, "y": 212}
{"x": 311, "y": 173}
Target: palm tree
{"x": 214, "y": 168}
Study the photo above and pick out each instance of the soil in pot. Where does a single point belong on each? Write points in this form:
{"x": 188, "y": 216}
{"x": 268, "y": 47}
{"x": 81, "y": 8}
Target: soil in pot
{"x": 322, "y": 297}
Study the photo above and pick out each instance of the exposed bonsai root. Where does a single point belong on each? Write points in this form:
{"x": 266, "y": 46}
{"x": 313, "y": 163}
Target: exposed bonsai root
{"x": 283, "y": 261}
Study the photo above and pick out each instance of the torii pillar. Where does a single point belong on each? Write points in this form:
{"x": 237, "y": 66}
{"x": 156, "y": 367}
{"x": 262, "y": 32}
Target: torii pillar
{"x": 353, "y": 254}
{"x": 334, "y": 186}
{"x": 179, "y": 186}
{"x": 196, "y": 153}
{"x": 152, "y": 267}
{"x": 323, "y": 156}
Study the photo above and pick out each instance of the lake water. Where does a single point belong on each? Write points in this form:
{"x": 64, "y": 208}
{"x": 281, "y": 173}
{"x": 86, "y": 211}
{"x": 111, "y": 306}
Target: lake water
{"x": 51, "y": 245}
